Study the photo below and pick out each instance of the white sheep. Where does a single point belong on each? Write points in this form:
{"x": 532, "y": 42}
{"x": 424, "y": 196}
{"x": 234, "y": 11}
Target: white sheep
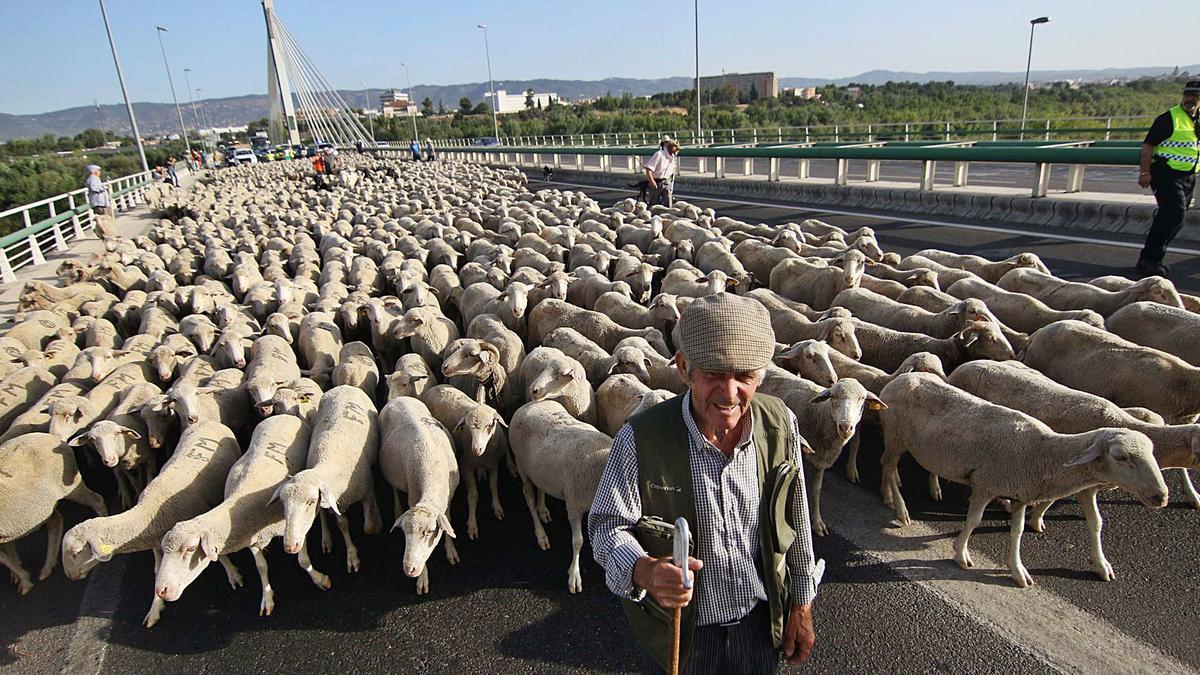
{"x": 244, "y": 519}
{"x": 620, "y": 397}
{"x": 431, "y": 333}
{"x": 478, "y": 432}
{"x": 1152, "y": 324}
{"x": 417, "y": 458}
{"x": 22, "y": 389}
{"x": 189, "y": 484}
{"x": 549, "y": 374}
{"x": 564, "y": 458}
{"x": 411, "y": 377}
{"x": 36, "y": 472}
{"x": 357, "y": 368}
{"x": 1000, "y": 452}
{"x": 817, "y": 284}
{"x": 1017, "y": 310}
{"x": 1067, "y": 295}
{"x": 343, "y": 447}
{"x": 551, "y": 314}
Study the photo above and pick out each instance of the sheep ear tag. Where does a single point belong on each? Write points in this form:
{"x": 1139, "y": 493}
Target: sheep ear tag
{"x": 104, "y": 552}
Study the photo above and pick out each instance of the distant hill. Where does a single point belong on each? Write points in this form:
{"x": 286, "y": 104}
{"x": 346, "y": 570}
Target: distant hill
{"x": 159, "y": 118}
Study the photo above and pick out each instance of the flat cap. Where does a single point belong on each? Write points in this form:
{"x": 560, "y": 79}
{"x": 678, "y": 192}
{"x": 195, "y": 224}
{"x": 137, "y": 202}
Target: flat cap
{"x": 1192, "y": 87}
{"x": 726, "y": 333}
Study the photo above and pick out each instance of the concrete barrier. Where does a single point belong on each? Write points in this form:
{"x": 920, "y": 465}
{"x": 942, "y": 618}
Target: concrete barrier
{"x": 998, "y": 209}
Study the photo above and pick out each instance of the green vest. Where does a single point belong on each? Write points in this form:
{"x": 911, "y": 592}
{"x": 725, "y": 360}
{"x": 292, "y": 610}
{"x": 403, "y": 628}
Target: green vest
{"x": 665, "y": 486}
{"x": 1182, "y": 150}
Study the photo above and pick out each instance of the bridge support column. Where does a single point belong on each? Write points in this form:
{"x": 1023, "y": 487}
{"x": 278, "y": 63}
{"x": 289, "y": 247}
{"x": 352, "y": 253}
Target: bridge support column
{"x": 843, "y": 172}
{"x": 579, "y": 162}
{"x": 557, "y": 160}
{"x": 1041, "y": 179}
{"x": 75, "y": 225}
{"x": 773, "y": 169}
{"x": 873, "y": 171}
{"x": 747, "y": 166}
{"x": 960, "y": 173}
{"x": 6, "y": 271}
{"x": 702, "y": 165}
{"x": 719, "y": 170}
{"x": 928, "y": 167}
{"x": 1075, "y": 178}
{"x": 805, "y": 169}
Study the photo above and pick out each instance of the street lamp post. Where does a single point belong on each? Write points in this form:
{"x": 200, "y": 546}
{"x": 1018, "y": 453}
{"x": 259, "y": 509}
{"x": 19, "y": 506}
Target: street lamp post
{"x": 1028, "y": 62}
{"x": 411, "y": 100}
{"x": 187, "y": 144}
{"x": 137, "y": 137}
{"x": 495, "y": 97}
{"x": 187, "y": 78}
{"x": 697, "y": 14}
{"x": 366, "y": 107}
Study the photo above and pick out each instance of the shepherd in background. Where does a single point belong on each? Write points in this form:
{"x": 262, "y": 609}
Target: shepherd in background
{"x": 101, "y": 203}
{"x": 660, "y": 172}
{"x": 1169, "y": 162}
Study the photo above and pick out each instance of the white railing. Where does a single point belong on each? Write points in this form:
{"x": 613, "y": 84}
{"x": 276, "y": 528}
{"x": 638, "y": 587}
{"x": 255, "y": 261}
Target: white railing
{"x": 49, "y": 224}
{"x": 946, "y": 130}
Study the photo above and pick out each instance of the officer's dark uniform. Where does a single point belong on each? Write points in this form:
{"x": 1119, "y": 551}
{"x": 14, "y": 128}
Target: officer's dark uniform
{"x": 1173, "y": 190}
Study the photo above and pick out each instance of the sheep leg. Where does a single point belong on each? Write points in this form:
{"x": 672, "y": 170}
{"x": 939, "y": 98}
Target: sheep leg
{"x": 372, "y": 520}
{"x": 326, "y": 537}
{"x": 12, "y": 560}
{"x": 852, "y": 458}
{"x": 123, "y": 489}
{"x": 1015, "y": 567}
{"x": 1037, "y": 522}
{"x": 54, "y": 532}
{"x": 472, "y": 503}
{"x": 543, "y": 512}
{"x": 156, "y": 605}
{"x": 531, "y": 502}
{"x": 974, "y": 515}
{"x": 494, "y": 486}
{"x": 814, "y": 498}
{"x": 423, "y": 580}
{"x": 1091, "y": 512}
{"x": 352, "y": 563}
{"x": 574, "y": 580}
{"x": 1188, "y": 489}
{"x": 935, "y": 488}
{"x": 451, "y": 549}
{"x": 82, "y": 494}
{"x": 231, "y": 571}
{"x": 321, "y": 580}
{"x": 267, "y": 604}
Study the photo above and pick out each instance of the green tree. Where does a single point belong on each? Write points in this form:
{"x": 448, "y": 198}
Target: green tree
{"x": 529, "y": 99}
{"x": 482, "y": 109}
{"x": 465, "y": 105}
{"x": 427, "y": 106}
{"x": 753, "y": 93}
{"x": 441, "y": 107}
{"x": 91, "y": 138}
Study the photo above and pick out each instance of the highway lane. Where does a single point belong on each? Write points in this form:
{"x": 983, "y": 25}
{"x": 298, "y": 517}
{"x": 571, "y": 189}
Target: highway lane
{"x": 505, "y": 608}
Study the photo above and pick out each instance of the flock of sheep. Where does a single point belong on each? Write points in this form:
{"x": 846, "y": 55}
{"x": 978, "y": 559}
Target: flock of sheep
{"x": 249, "y": 368}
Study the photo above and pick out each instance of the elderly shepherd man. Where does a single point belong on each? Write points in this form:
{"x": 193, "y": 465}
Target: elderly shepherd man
{"x": 102, "y": 208}
{"x": 728, "y": 460}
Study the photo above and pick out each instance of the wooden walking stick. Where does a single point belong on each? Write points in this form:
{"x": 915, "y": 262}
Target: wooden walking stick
{"x": 682, "y": 543}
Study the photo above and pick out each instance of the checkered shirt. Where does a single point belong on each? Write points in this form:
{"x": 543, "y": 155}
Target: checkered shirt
{"x": 727, "y": 501}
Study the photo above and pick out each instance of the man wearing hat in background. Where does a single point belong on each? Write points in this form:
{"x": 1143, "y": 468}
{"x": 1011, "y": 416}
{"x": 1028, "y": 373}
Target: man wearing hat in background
{"x": 1169, "y": 162}
{"x": 717, "y": 455}
{"x": 660, "y": 171}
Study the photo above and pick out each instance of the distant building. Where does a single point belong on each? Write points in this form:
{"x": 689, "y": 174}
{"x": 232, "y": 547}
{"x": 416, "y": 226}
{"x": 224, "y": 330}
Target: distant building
{"x": 394, "y": 102}
{"x": 806, "y": 93}
{"x": 764, "y": 84}
{"x": 853, "y": 92}
{"x": 513, "y": 103}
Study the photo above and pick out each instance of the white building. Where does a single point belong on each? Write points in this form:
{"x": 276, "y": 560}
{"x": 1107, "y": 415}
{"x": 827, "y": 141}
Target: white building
{"x": 394, "y": 102}
{"x": 513, "y": 103}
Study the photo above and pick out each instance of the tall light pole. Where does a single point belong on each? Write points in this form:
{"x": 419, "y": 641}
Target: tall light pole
{"x": 413, "y": 101}
{"x": 697, "y": 14}
{"x": 495, "y": 97}
{"x": 1028, "y": 62}
{"x": 137, "y": 137}
{"x": 187, "y": 78}
{"x": 366, "y": 111}
{"x": 187, "y": 144}
{"x": 203, "y": 110}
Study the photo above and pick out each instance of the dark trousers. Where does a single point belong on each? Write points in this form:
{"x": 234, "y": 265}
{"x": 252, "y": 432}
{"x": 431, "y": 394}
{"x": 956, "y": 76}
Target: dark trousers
{"x": 1173, "y": 191}
{"x": 661, "y": 194}
{"x": 743, "y": 648}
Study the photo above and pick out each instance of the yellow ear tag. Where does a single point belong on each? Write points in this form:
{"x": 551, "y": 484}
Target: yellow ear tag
{"x": 105, "y": 549}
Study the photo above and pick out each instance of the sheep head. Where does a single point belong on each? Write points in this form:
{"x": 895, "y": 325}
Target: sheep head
{"x": 847, "y": 399}
{"x": 187, "y": 549}
{"x": 423, "y": 528}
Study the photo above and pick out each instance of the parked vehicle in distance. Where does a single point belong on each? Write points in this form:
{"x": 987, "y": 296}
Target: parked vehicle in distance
{"x": 382, "y": 144}
{"x": 486, "y": 141}
{"x": 242, "y": 156}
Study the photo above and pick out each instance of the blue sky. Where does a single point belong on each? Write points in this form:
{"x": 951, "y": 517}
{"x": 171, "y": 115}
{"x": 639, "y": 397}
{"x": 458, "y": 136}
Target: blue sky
{"x": 56, "y": 54}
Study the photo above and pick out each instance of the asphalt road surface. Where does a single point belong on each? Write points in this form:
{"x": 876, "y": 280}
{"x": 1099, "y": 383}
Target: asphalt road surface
{"x": 891, "y": 600}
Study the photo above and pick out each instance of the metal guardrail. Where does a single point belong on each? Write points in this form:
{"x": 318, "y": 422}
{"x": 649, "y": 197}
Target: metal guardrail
{"x": 1104, "y": 128}
{"x": 1038, "y": 154}
{"x": 69, "y": 218}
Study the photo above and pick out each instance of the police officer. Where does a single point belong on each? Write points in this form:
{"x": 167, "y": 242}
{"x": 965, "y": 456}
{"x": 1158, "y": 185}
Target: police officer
{"x": 1169, "y": 162}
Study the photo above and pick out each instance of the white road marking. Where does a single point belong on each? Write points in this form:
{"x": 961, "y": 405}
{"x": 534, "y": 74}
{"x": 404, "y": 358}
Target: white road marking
{"x": 93, "y": 628}
{"x": 1041, "y": 623}
{"x": 924, "y": 221}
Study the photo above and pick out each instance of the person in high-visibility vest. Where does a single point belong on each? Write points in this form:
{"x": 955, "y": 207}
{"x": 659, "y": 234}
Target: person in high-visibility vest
{"x": 1169, "y": 162}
